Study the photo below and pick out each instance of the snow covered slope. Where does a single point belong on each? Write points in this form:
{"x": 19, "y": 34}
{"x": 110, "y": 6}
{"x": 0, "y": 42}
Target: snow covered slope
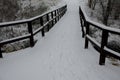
{"x": 60, "y": 55}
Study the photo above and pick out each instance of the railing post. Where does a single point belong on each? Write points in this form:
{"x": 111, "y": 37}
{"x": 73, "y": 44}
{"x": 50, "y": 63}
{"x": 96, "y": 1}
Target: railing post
{"x": 59, "y": 13}
{"x": 87, "y": 33}
{"x": 1, "y": 56}
{"x": 81, "y": 22}
{"x": 103, "y": 44}
{"x": 66, "y": 8}
{"x": 48, "y": 26}
{"x": 42, "y": 31}
{"x": 83, "y": 32}
{"x": 63, "y": 11}
{"x": 82, "y": 26}
{"x": 31, "y": 32}
{"x": 52, "y": 18}
{"x": 55, "y": 16}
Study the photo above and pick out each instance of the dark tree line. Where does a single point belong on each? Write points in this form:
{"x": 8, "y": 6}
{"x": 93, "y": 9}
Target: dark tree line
{"x": 11, "y": 10}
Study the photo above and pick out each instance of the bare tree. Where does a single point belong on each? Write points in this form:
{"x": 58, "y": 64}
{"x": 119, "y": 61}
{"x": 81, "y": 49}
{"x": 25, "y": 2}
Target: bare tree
{"x": 107, "y": 6}
{"x": 116, "y": 10}
{"x": 92, "y": 4}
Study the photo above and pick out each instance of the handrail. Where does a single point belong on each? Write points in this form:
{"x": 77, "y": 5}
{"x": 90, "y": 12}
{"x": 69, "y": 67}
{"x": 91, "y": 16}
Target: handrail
{"x": 98, "y": 25}
{"x": 104, "y": 51}
{"x": 4, "y": 24}
{"x": 59, "y": 12}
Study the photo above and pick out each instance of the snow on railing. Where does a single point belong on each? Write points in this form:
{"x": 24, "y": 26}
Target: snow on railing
{"x": 52, "y": 16}
{"x": 104, "y": 51}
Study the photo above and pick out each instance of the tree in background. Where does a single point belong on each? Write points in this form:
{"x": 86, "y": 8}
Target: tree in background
{"x": 107, "y": 8}
{"x": 116, "y": 10}
{"x": 92, "y": 3}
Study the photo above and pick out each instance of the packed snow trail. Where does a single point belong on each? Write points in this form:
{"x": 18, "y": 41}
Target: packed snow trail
{"x": 60, "y": 55}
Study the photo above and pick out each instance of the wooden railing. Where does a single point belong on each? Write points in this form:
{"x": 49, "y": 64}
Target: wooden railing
{"x": 51, "y": 17}
{"x": 101, "y": 47}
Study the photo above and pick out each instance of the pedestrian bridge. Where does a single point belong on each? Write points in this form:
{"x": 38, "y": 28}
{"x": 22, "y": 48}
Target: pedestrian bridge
{"x": 62, "y": 53}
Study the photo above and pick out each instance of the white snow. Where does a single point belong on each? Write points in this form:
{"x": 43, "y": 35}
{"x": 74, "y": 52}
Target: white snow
{"x": 60, "y": 55}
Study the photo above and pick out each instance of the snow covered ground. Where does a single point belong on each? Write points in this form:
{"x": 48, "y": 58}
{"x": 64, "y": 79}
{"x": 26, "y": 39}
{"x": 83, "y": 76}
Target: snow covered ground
{"x": 60, "y": 55}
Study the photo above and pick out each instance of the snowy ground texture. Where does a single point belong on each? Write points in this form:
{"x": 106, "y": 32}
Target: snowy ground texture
{"x": 60, "y": 55}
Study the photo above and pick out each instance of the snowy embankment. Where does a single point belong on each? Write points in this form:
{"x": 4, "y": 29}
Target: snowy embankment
{"x": 60, "y": 55}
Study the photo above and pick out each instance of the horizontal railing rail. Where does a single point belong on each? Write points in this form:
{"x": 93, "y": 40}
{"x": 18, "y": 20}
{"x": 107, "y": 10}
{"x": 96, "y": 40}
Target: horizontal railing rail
{"x": 51, "y": 17}
{"x": 86, "y": 22}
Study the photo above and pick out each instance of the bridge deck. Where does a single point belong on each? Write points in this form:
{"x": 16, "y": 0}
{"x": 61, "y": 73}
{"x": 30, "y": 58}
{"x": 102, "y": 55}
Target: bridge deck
{"x": 60, "y": 55}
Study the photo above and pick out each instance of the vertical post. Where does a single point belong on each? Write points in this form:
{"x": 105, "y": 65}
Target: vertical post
{"x": 48, "y": 26}
{"x": 59, "y": 14}
{"x": 55, "y": 16}
{"x": 87, "y": 33}
{"x": 31, "y": 32}
{"x": 52, "y": 18}
{"x": 81, "y": 21}
{"x": 103, "y": 44}
{"x": 1, "y": 56}
{"x": 83, "y": 33}
{"x": 66, "y": 8}
{"x": 42, "y": 31}
{"x": 63, "y": 11}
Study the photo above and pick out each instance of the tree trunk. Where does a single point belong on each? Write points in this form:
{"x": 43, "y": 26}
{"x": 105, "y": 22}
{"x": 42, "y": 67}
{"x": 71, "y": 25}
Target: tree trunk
{"x": 107, "y": 12}
{"x": 90, "y": 3}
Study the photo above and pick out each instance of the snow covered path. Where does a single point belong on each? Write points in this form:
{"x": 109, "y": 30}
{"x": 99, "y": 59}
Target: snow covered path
{"x": 60, "y": 55}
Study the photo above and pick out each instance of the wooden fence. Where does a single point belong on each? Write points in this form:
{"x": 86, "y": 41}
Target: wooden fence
{"x": 101, "y": 47}
{"x": 51, "y": 17}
